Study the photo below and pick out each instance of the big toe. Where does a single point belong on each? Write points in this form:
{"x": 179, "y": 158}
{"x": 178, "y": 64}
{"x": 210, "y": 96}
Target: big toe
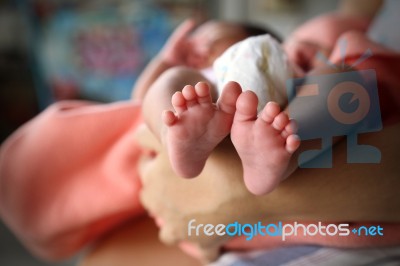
{"x": 230, "y": 94}
{"x": 246, "y": 106}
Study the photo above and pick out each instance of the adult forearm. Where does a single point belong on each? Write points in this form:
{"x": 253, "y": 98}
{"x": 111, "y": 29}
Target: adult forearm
{"x": 324, "y": 30}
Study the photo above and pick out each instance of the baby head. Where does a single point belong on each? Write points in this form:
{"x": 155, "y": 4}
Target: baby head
{"x": 209, "y": 40}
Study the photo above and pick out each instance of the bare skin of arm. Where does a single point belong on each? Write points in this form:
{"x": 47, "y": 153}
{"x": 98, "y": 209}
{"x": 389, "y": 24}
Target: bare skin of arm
{"x": 172, "y": 54}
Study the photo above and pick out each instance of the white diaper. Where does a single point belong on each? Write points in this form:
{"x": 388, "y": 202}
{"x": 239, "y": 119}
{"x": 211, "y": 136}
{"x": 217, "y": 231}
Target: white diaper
{"x": 258, "y": 64}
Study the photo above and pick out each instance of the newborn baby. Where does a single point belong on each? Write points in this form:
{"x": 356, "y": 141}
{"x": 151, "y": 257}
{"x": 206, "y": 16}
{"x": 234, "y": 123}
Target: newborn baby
{"x": 250, "y": 79}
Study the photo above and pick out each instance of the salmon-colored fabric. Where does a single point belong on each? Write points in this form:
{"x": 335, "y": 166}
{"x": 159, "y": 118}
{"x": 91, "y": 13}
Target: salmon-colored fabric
{"x": 70, "y": 174}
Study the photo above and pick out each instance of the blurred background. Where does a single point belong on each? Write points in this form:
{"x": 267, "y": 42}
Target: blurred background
{"x": 53, "y": 50}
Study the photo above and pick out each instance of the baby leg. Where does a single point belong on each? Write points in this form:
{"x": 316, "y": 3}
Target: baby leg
{"x": 264, "y": 143}
{"x": 197, "y": 126}
{"x": 158, "y": 97}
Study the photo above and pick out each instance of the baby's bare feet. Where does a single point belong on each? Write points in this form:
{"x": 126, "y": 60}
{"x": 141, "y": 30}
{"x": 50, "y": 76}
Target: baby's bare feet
{"x": 197, "y": 126}
{"x": 264, "y": 143}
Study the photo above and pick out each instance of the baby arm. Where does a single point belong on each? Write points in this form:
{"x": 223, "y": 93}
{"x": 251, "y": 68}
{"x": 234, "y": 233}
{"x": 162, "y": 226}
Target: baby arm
{"x": 172, "y": 54}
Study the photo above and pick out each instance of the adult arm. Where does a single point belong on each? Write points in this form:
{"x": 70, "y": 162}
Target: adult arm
{"x": 321, "y": 33}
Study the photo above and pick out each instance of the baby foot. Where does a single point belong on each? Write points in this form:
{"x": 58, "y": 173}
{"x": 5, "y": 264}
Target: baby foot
{"x": 197, "y": 126}
{"x": 264, "y": 143}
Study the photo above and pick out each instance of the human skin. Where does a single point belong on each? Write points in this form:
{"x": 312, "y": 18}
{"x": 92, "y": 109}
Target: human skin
{"x": 351, "y": 193}
{"x": 189, "y": 46}
{"x": 198, "y": 125}
{"x": 344, "y": 193}
{"x": 136, "y": 243}
{"x": 347, "y": 192}
{"x": 358, "y": 192}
